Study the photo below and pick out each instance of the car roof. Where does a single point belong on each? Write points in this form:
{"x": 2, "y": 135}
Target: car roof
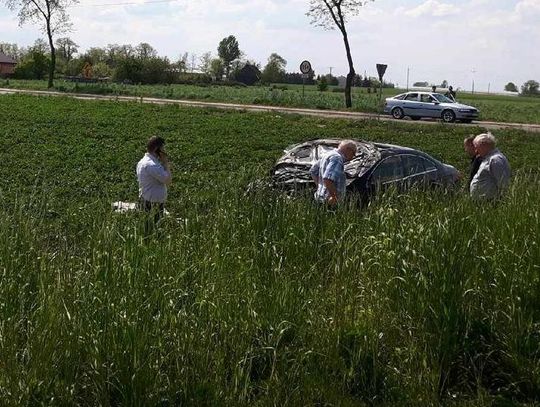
{"x": 383, "y": 149}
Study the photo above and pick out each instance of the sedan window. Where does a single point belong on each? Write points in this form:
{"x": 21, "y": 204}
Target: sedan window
{"x": 400, "y": 97}
{"x": 412, "y": 96}
{"x": 388, "y": 170}
{"x": 442, "y": 98}
{"x": 413, "y": 164}
{"x": 426, "y": 99}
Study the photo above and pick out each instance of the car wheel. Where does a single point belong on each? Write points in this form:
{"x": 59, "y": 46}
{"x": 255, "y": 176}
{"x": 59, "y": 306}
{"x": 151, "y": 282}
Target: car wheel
{"x": 415, "y": 117}
{"x": 397, "y": 113}
{"x": 448, "y": 116}
{"x": 466, "y": 121}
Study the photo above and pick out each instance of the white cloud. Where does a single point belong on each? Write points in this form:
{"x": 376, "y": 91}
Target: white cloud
{"x": 433, "y": 8}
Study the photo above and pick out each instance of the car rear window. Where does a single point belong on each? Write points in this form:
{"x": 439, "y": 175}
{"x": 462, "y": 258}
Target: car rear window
{"x": 412, "y": 96}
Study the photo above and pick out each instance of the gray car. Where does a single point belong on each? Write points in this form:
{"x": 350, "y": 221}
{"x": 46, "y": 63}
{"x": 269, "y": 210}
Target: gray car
{"x": 427, "y": 104}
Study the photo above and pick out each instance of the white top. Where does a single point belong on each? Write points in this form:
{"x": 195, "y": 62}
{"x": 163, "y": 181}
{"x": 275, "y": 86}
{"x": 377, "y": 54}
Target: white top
{"x": 152, "y": 177}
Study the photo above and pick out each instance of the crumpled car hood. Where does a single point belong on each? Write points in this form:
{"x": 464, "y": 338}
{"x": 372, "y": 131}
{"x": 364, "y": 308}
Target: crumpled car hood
{"x": 292, "y": 168}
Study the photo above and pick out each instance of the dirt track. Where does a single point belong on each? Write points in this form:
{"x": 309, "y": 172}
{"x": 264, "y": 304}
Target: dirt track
{"x": 276, "y": 109}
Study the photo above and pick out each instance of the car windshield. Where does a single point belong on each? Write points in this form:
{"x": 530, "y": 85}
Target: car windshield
{"x": 441, "y": 98}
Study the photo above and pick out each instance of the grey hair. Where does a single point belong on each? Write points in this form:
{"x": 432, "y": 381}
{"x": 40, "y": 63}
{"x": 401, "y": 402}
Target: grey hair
{"x": 347, "y": 145}
{"x": 485, "y": 138}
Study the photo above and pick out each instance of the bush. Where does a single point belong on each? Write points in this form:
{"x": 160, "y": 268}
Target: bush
{"x": 322, "y": 84}
{"x": 193, "y": 79}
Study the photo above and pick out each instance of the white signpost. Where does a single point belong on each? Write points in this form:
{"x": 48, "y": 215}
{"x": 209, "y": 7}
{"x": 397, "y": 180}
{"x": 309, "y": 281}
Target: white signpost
{"x": 305, "y": 68}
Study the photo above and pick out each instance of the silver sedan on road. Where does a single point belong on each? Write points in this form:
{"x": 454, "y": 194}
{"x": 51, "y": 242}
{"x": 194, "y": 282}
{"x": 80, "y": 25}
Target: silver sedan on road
{"x": 427, "y": 104}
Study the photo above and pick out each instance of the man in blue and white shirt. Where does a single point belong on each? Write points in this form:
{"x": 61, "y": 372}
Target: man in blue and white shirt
{"x": 154, "y": 174}
{"x": 329, "y": 173}
{"x": 493, "y": 176}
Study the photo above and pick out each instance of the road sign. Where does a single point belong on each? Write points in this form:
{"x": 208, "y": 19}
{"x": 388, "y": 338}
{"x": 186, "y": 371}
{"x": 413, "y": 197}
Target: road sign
{"x": 305, "y": 67}
{"x": 381, "y": 69}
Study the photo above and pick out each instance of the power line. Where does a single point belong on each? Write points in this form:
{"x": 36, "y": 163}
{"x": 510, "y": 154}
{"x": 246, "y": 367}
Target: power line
{"x": 124, "y": 3}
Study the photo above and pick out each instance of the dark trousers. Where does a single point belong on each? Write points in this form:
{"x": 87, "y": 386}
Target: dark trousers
{"x": 155, "y": 213}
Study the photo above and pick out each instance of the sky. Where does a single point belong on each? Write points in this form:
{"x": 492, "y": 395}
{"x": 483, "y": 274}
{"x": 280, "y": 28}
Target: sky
{"x": 490, "y": 42}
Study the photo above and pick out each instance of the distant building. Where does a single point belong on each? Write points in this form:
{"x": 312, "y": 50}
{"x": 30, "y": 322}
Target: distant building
{"x": 7, "y": 65}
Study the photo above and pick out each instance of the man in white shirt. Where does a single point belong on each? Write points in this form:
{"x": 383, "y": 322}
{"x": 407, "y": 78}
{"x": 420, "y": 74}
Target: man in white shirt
{"x": 154, "y": 174}
{"x": 493, "y": 176}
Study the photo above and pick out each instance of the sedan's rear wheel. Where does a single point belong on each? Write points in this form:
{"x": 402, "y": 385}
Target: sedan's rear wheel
{"x": 397, "y": 113}
{"x": 448, "y": 116}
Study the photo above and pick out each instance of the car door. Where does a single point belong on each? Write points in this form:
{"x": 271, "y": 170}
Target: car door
{"x": 411, "y": 105}
{"x": 388, "y": 174}
{"x": 429, "y": 106}
{"x": 418, "y": 171}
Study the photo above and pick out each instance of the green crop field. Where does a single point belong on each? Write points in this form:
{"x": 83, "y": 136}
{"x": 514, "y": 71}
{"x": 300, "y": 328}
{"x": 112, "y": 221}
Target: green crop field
{"x": 253, "y": 298}
{"x": 492, "y": 107}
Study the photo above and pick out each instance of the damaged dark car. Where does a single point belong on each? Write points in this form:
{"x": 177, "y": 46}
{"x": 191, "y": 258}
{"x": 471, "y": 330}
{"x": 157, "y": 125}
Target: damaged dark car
{"x": 375, "y": 168}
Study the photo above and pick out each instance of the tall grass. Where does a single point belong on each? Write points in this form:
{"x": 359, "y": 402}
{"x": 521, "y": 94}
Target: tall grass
{"x": 262, "y": 299}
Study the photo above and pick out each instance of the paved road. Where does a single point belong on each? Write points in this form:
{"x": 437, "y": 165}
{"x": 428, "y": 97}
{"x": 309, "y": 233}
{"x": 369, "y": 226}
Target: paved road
{"x": 275, "y": 109}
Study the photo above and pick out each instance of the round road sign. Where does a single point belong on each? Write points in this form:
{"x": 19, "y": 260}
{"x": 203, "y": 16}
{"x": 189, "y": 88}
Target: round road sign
{"x": 305, "y": 67}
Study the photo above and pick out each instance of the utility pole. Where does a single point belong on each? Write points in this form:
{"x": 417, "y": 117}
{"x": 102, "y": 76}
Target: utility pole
{"x": 330, "y": 68}
{"x": 489, "y": 86}
{"x": 408, "y": 78}
{"x": 472, "y": 87}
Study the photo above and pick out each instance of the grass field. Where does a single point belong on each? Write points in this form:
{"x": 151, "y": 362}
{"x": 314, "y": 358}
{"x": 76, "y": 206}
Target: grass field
{"x": 254, "y": 299}
{"x": 492, "y": 107}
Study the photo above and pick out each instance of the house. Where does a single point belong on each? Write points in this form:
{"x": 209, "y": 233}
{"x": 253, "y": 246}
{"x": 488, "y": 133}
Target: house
{"x": 7, "y": 65}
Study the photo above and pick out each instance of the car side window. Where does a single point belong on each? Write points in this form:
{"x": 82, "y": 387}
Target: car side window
{"x": 412, "y": 96}
{"x": 413, "y": 165}
{"x": 399, "y": 97}
{"x": 429, "y": 165}
{"x": 426, "y": 98}
{"x": 388, "y": 170}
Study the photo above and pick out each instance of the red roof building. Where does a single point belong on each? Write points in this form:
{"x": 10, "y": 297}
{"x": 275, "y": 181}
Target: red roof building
{"x": 7, "y": 65}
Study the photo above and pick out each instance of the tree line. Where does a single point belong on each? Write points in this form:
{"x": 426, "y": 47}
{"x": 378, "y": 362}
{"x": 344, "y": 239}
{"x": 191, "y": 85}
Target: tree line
{"x": 52, "y": 17}
{"x": 142, "y": 64}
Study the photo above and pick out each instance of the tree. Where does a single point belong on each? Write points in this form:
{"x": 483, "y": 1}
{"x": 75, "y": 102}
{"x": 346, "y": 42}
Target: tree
{"x": 145, "y": 51}
{"x": 51, "y": 15}
{"x": 530, "y": 88}
{"x": 216, "y": 68}
{"x": 333, "y": 13}
{"x": 420, "y": 84}
{"x": 11, "y": 50}
{"x": 511, "y": 87}
{"x": 95, "y": 55}
{"x": 32, "y": 66}
{"x": 205, "y": 61}
{"x": 228, "y": 51}
{"x": 357, "y": 82}
{"x": 66, "y": 48}
{"x": 274, "y": 71}
{"x": 322, "y": 84}
{"x": 444, "y": 84}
